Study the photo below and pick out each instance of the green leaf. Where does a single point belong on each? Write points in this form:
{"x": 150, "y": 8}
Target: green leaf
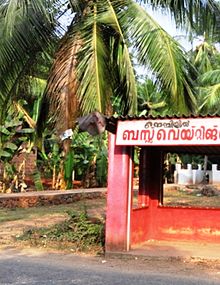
{"x": 4, "y": 131}
{"x": 37, "y": 180}
{"x": 4, "y": 153}
{"x": 10, "y": 145}
{"x": 158, "y": 50}
{"x": 22, "y": 139}
{"x": 211, "y": 99}
{"x": 210, "y": 78}
{"x": 26, "y": 28}
{"x": 13, "y": 123}
{"x": 68, "y": 168}
{"x": 191, "y": 15}
{"x": 26, "y": 131}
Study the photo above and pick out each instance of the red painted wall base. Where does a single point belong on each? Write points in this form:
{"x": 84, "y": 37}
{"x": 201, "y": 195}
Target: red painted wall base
{"x": 169, "y": 223}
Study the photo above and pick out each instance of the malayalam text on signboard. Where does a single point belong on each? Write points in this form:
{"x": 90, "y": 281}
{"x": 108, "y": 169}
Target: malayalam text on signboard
{"x": 205, "y": 131}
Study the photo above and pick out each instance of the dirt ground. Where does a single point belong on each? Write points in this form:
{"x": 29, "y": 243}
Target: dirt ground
{"x": 10, "y": 230}
{"x": 192, "y": 195}
{"x": 185, "y": 266}
{"x": 189, "y": 266}
{"x": 17, "y": 221}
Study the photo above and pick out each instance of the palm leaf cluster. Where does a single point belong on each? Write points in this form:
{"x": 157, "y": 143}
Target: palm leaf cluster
{"x": 150, "y": 100}
{"x": 164, "y": 56}
{"x": 93, "y": 67}
{"x": 21, "y": 39}
{"x": 105, "y": 36}
{"x": 193, "y": 15}
{"x": 207, "y": 60}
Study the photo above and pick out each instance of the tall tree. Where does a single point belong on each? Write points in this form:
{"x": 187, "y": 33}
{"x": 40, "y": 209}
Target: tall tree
{"x": 150, "y": 100}
{"x": 93, "y": 63}
{"x": 206, "y": 58}
{"x": 26, "y": 29}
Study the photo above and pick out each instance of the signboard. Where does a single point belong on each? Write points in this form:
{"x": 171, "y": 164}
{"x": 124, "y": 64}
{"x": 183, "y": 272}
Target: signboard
{"x": 198, "y": 131}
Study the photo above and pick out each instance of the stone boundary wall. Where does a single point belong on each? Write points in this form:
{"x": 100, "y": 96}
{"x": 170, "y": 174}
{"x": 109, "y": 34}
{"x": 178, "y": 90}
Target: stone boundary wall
{"x": 48, "y": 198}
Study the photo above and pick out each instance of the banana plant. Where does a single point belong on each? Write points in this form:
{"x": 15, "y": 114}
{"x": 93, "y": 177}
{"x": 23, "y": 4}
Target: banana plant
{"x": 90, "y": 155}
{"x": 12, "y": 136}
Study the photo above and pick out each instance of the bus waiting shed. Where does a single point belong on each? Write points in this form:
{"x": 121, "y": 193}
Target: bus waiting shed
{"x": 127, "y": 225}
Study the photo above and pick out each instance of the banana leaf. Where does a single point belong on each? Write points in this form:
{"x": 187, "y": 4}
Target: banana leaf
{"x": 68, "y": 169}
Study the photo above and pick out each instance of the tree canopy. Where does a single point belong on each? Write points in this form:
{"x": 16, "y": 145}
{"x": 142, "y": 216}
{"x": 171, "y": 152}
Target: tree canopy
{"x": 93, "y": 65}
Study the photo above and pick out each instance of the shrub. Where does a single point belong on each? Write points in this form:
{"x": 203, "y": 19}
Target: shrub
{"x": 79, "y": 232}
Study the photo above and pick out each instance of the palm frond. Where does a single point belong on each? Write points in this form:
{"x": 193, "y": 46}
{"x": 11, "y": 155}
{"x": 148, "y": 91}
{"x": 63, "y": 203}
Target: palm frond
{"x": 14, "y": 10}
{"x": 105, "y": 67}
{"x": 211, "y": 99}
{"x": 60, "y": 103}
{"x": 92, "y": 71}
{"x": 211, "y": 77}
{"x": 27, "y": 116}
{"x": 205, "y": 57}
{"x": 83, "y": 77}
{"x": 157, "y": 49}
{"x": 25, "y": 31}
{"x": 77, "y": 6}
{"x": 126, "y": 89}
{"x": 197, "y": 15}
{"x": 150, "y": 100}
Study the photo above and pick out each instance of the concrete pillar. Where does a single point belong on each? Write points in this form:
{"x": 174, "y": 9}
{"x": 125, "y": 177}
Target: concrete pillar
{"x": 143, "y": 194}
{"x": 155, "y": 187}
{"x": 118, "y": 197}
{"x": 155, "y": 176}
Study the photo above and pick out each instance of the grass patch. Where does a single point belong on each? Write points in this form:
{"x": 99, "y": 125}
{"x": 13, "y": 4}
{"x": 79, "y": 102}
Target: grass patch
{"x": 79, "y": 233}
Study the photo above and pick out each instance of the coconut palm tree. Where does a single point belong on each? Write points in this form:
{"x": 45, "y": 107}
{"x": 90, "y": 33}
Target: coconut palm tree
{"x": 22, "y": 38}
{"x": 93, "y": 63}
{"x": 206, "y": 58}
{"x": 150, "y": 100}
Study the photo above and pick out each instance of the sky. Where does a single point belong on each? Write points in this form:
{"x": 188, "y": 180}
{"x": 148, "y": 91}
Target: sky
{"x": 164, "y": 20}
{"x": 168, "y": 24}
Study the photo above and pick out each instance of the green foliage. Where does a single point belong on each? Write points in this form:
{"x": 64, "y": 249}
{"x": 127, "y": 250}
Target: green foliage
{"x": 88, "y": 149}
{"x": 206, "y": 58}
{"x": 193, "y": 15}
{"x": 49, "y": 156}
{"x": 68, "y": 169}
{"x": 83, "y": 153}
{"x": 79, "y": 230}
{"x": 10, "y": 136}
{"x": 25, "y": 31}
{"x": 152, "y": 101}
{"x": 101, "y": 165}
{"x": 37, "y": 180}
{"x": 96, "y": 52}
{"x": 85, "y": 150}
{"x": 94, "y": 66}
{"x": 191, "y": 159}
{"x": 9, "y": 170}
